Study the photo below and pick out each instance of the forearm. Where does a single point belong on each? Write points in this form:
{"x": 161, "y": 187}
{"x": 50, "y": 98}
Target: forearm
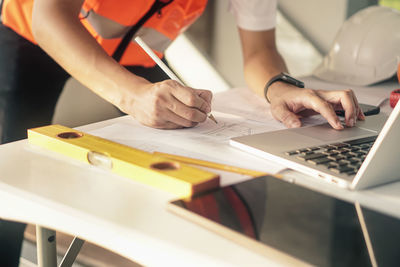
{"x": 261, "y": 58}
{"x": 60, "y": 33}
{"x": 261, "y": 67}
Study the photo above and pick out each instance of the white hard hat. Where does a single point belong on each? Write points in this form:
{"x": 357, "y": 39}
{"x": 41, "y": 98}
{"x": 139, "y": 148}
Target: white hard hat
{"x": 366, "y": 49}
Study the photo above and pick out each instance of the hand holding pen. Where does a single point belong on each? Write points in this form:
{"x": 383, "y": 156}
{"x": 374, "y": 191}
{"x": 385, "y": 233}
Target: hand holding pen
{"x": 203, "y": 94}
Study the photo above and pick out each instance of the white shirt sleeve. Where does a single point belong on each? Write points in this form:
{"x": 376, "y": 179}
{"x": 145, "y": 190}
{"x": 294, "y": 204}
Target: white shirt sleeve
{"x": 254, "y": 15}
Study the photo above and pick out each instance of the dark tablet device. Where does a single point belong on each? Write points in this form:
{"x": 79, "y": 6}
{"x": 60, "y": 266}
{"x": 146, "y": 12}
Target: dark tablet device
{"x": 266, "y": 212}
{"x": 368, "y": 110}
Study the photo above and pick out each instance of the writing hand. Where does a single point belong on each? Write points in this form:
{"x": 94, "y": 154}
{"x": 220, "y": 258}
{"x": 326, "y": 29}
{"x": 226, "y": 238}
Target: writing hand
{"x": 169, "y": 105}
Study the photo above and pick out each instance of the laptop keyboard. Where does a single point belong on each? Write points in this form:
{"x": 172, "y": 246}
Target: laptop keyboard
{"x": 345, "y": 157}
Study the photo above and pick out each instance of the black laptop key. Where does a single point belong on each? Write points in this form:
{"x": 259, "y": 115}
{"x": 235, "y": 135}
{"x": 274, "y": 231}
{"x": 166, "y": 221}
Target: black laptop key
{"x": 340, "y": 145}
{"x": 311, "y": 156}
{"x": 354, "y": 160}
{"x": 354, "y": 154}
{"x": 362, "y": 140}
{"x": 343, "y": 162}
{"x": 302, "y": 150}
{"x": 307, "y": 153}
{"x": 318, "y": 161}
{"x": 342, "y": 169}
{"x": 355, "y": 165}
{"x": 331, "y": 153}
{"x": 343, "y": 150}
{"x": 365, "y": 146}
{"x": 329, "y": 148}
{"x": 332, "y": 164}
{"x": 346, "y": 155}
{"x": 336, "y": 157}
{"x": 291, "y": 153}
{"x": 361, "y": 153}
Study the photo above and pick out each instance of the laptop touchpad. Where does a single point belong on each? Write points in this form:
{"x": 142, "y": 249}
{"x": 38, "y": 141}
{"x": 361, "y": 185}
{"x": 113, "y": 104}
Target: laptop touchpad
{"x": 325, "y": 132}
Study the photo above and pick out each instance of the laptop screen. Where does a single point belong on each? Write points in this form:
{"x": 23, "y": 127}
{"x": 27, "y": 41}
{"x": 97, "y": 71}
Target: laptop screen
{"x": 310, "y": 226}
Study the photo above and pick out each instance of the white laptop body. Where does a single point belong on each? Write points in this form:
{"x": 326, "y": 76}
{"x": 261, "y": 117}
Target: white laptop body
{"x": 381, "y": 165}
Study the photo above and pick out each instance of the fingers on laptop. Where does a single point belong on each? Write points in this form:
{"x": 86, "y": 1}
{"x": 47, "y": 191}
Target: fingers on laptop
{"x": 348, "y": 101}
{"x": 323, "y": 106}
{"x": 289, "y": 112}
{"x": 322, "y": 102}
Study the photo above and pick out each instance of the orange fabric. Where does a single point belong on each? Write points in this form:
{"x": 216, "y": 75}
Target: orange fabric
{"x": 208, "y": 207}
{"x": 241, "y": 211}
{"x": 175, "y": 18}
{"x": 18, "y": 16}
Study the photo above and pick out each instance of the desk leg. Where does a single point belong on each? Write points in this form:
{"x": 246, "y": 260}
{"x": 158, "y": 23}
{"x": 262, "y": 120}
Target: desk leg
{"x": 72, "y": 252}
{"x": 46, "y": 247}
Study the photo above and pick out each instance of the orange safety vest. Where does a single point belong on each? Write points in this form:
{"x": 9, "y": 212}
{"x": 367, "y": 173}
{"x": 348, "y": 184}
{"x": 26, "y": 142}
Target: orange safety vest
{"x": 109, "y": 20}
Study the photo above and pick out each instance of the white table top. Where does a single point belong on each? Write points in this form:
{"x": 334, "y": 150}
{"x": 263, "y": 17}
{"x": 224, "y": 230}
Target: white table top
{"x": 124, "y": 216}
{"x": 127, "y": 217}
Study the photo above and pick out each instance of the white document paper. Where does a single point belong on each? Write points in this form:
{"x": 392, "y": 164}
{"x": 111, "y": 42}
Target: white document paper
{"x": 244, "y": 103}
{"x": 207, "y": 141}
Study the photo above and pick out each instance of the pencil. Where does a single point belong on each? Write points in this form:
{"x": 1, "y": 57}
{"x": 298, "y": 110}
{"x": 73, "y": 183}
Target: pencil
{"x": 164, "y": 67}
{"x": 210, "y": 164}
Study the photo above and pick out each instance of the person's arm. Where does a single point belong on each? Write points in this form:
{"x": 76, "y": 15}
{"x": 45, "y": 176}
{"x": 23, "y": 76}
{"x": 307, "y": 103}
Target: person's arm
{"x": 262, "y": 61}
{"x": 58, "y": 30}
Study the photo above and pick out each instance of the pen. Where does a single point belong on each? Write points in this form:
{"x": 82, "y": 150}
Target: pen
{"x": 210, "y": 164}
{"x": 164, "y": 67}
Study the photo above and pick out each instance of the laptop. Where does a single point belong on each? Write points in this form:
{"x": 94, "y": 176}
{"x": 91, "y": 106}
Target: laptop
{"x": 356, "y": 158}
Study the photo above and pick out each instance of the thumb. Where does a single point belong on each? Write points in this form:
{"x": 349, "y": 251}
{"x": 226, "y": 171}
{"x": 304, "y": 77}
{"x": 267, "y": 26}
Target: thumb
{"x": 205, "y": 94}
{"x": 284, "y": 115}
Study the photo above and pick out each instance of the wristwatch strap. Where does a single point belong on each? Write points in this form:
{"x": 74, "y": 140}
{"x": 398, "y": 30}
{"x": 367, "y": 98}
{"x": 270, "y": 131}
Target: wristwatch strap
{"x": 284, "y": 77}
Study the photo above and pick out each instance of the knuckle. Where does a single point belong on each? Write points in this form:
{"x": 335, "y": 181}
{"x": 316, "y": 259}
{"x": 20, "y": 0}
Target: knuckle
{"x": 157, "y": 102}
{"x": 157, "y": 94}
{"x": 190, "y": 114}
{"x": 172, "y": 83}
{"x": 191, "y": 101}
{"x": 174, "y": 107}
{"x": 158, "y": 88}
{"x": 310, "y": 92}
{"x": 347, "y": 92}
{"x": 208, "y": 94}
